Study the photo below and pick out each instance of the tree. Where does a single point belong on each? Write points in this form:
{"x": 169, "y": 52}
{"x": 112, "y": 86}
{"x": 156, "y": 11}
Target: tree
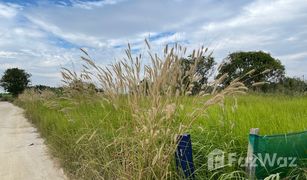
{"x": 40, "y": 88}
{"x": 264, "y": 67}
{"x": 294, "y": 84}
{"x": 80, "y": 86}
{"x": 288, "y": 85}
{"x": 204, "y": 68}
{"x": 15, "y": 80}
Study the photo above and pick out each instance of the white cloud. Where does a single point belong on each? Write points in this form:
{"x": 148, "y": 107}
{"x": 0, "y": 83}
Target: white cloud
{"x": 78, "y": 38}
{"x": 27, "y": 32}
{"x": 177, "y": 37}
{"x": 4, "y": 66}
{"x": 8, "y": 54}
{"x": 262, "y": 13}
{"x": 8, "y": 11}
{"x": 31, "y": 36}
{"x": 295, "y": 56}
{"x": 93, "y": 4}
{"x": 56, "y": 75}
{"x": 278, "y": 27}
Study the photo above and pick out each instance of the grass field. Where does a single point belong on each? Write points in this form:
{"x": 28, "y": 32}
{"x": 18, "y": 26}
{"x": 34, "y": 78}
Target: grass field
{"x": 129, "y": 129}
{"x": 81, "y": 133}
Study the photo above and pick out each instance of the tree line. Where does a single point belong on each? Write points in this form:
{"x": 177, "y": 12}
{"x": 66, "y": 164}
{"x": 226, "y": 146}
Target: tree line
{"x": 250, "y": 67}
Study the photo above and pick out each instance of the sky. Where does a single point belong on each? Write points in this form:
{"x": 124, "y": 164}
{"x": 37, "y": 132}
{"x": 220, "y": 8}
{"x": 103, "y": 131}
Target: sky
{"x": 41, "y": 36}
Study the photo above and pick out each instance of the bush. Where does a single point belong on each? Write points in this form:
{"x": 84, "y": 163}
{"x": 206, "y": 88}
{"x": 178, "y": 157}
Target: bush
{"x": 6, "y": 97}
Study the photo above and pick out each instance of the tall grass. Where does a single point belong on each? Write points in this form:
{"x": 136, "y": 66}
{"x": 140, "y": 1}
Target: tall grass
{"x": 143, "y": 100}
{"x": 70, "y": 131}
{"x": 129, "y": 131}
{"x": 149, "y": 94}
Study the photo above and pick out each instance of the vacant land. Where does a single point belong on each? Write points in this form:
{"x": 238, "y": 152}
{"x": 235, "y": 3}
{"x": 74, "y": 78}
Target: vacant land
{"x": 81, "y": 132}
{"x": 23, "y": 154}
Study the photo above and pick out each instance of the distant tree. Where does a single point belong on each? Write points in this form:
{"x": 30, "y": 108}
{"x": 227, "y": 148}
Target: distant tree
{"x": 39, "y": 88}
{"x": 294, "y": 85}
{"x": 80, "y": 86}
{"x": 288, "y": 85}
{"x": 15, "y": 80}
{"x": 204, "y": 68}
{"x": 238, "y": 64}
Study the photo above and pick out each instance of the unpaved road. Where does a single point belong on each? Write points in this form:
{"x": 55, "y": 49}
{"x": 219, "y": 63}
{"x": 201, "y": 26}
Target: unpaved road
{"x": 23, "y": 155}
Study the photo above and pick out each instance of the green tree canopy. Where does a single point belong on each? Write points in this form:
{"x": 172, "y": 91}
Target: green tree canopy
{"x": 288, "y": 85}
{"x": 204, "y": 68}
{"x": 15, "y": 80}
{"x": 294, "y": 84}
{"x": 265, "y": 68}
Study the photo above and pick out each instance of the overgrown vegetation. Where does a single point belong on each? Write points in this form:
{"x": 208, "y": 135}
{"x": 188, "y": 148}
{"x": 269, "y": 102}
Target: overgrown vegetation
{"x": 6, "y": 97}
{"x": 139, "y": 140}
{"x": 82, "y": 135}
{"x": 128, "y": 129}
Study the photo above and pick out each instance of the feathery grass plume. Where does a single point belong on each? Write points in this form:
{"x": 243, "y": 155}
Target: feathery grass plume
{"x": 265, "y": 71}
{"x": 259, "y": 84}
{"x": 149, "y": 94}
{"x": 97, "y": 140}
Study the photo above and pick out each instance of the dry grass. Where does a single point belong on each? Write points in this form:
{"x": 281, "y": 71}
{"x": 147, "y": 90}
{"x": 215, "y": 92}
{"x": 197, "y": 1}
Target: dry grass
{"x": 143, "y": 146}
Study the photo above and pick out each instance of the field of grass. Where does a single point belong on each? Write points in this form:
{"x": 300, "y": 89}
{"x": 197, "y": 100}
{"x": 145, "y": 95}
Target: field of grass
{"x": 81, "y": 133}
{"x": 129, "y": 128}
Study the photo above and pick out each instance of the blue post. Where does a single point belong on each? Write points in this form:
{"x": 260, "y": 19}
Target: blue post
{"x": 184, "y": 158}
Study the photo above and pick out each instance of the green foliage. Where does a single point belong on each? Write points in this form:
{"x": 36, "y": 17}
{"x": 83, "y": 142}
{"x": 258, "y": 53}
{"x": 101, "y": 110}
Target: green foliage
{"x": 81, "y": 135}
{"x": 6, "y": 97}
{"x": 239, "y": 64}
{"x": 204, "y": 68}
{"x": 295, "y": 85}
{"x": 15, "y": 80}
{"x": 40, "y": 88}
{"x": 288, "y": 85}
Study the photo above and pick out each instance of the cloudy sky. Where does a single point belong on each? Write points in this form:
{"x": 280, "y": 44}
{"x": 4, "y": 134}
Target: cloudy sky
{"x": 41, "y": 36}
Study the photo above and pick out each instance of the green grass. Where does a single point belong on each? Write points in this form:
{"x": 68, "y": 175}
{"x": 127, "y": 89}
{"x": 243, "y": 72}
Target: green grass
{"x": 6, "y": 97}
{"x": 272, "y": 114}
{"x": 228, "y": 128}
{"x": 80, "y": 134}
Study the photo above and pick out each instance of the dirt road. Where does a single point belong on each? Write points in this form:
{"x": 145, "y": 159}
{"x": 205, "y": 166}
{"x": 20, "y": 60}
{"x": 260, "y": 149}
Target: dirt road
{"x": 23, "y": 155}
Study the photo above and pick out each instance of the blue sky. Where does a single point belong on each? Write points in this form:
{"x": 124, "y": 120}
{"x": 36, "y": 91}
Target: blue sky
{"x": 44, "y": 35}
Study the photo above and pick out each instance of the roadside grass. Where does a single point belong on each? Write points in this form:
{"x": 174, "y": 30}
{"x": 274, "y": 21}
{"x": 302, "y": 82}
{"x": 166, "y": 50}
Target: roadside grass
{"x": 128, "y": 128}
{"x": 81, "y": 135}
{"x": 6, "y": 97}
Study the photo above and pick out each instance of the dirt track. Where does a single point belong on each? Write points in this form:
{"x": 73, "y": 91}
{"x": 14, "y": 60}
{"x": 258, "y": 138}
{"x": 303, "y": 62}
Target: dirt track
{"x": 23, "y": 155}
